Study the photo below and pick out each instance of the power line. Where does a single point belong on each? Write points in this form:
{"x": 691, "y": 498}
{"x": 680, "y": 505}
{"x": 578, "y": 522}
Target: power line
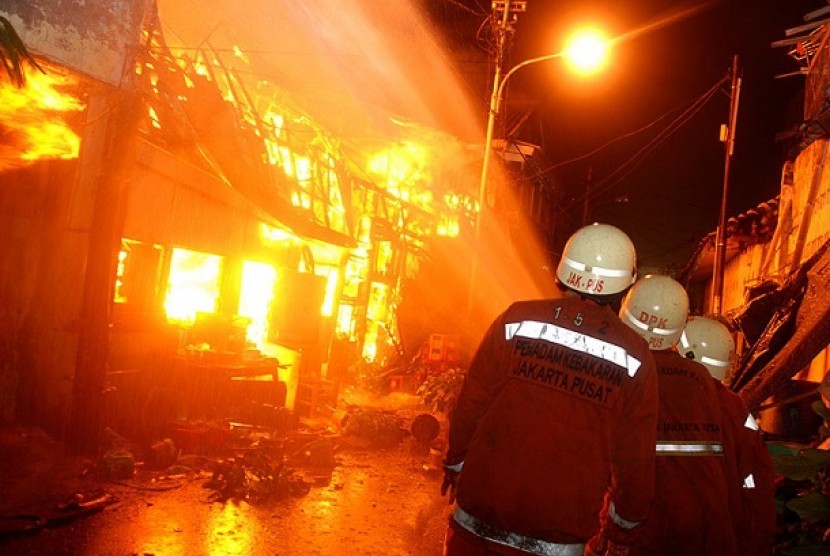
{"x": 629, "y": 165}
{"x": 480, "y": 12}
{"x": 604, "y": 146}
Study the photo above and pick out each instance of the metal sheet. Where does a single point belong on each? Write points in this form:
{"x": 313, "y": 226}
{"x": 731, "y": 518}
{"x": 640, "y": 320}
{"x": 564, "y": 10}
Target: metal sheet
{"x": 797, "y": 333}
{"x": 93, "y": 38}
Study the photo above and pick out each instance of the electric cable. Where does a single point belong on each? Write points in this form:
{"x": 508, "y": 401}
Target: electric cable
{"x": 632, "y": 162}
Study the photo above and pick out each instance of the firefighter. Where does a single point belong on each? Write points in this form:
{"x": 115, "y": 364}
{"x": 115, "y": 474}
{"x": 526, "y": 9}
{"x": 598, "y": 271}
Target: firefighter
{"x": 690, "y": 516}
{"x": 752, "y": 475}
{"x": 559, "y": 403}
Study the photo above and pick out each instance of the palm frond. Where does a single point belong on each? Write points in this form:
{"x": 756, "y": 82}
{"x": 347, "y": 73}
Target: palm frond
{"x": 13, "y": 53}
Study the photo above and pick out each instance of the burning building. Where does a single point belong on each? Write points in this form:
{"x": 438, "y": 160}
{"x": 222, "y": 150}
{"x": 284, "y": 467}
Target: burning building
{"x": 191, "y": 226}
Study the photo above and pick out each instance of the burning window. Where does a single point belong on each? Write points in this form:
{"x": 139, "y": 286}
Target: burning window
{"x": 193, "y": 286}
{"x": 355, "y": 276}
{"x": 459, "y": 212}
{"x": 137, "y": 274}
{"x": 346, "y": 322}
{"x": 384, "y": 258}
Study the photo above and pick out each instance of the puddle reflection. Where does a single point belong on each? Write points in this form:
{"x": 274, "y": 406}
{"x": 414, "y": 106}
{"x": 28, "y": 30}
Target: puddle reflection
{"x": 231, "y": 530}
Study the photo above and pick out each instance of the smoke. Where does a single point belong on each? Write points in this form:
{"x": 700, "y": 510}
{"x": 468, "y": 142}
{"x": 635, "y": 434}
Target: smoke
{"x": 350, "y": 63}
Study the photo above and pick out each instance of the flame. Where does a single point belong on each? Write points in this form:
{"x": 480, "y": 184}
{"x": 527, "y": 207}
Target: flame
{"x": 345, "y": 321}
{"x": 193, "y": 285}
{"x": 402, "y": 168}
{"x": 332, "y": 276}
{"x": 275, "y": 235}
{"x": 256, "y": 294}
{"x": 32, "y": 122}
{"x": 376, "y": 313}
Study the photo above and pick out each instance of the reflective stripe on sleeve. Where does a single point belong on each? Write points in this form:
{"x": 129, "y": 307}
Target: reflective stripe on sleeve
{"x": 574, "y": 340}
{"x": 514, "y": 540}
{"x": 680, "y": 448}
{"x": 749, "y": 481}
{"x": 622, "y": 523}
{"x": 456, "y": 467}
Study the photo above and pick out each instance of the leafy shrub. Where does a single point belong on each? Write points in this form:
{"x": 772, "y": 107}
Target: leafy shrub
{"x": 440, "y": 391}
{"x": 803, "y": 494}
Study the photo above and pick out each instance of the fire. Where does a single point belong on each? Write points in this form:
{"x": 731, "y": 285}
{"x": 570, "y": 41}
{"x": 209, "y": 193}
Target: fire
{"x": 256, "y": 294}
{"x": 403, "y": 170}
{"x": 193, "y": 286}
{"x": 32, "y": 120}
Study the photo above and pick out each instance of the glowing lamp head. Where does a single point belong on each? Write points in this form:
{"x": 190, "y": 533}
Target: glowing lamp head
{"x": 587, "y": 51}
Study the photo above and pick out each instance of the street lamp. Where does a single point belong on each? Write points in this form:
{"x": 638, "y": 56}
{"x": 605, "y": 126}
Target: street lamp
{"x": 585, "y": 53}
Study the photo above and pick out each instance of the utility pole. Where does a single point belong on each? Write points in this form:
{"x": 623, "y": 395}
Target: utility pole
{"x": 506, "y": 13}
{"x": 728, "y": 137}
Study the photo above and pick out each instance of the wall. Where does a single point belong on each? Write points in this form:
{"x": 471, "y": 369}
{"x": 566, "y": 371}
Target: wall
{"x": 803, "y": 227}
{"x": 41, "y": 265}
{"x": 94, "y": 38}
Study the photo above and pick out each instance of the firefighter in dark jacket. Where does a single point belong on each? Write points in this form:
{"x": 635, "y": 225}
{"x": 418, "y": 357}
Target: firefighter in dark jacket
{"x": 691, "y": 514}
{"x": 752, "y": 474}
{"x": 557, "y": 411}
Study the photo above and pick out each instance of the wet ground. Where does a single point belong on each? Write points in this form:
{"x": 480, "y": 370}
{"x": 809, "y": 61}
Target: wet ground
{"x": 371, "y": 502}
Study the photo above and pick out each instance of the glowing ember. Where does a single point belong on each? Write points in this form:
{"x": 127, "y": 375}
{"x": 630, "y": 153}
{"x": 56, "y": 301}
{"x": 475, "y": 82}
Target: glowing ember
{"x": 32, "y": 123}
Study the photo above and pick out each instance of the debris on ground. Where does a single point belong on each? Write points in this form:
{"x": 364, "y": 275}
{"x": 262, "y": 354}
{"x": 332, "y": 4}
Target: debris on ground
{"x": 259, "y": 474}
{"x": 78, "y": 505}
{"x": 286, "y": 480}
{"x": 382, "y": 428}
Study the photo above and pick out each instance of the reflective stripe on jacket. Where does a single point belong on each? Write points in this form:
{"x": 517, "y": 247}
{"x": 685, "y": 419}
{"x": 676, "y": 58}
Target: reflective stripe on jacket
{"x": 687, "y": 448}
{"x": 519, "y": 542}
{"x": 691, "y": 515}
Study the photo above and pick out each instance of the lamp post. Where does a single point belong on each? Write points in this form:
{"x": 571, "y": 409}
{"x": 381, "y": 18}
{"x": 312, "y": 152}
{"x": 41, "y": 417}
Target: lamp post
{"x": 586, "y": 51}
{"x": 495, "y": 103}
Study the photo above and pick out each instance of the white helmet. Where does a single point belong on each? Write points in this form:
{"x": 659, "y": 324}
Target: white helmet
{"x": 708, "y": 341}
{"x": 598, "y": 259}
{"x": 656, "y": 308}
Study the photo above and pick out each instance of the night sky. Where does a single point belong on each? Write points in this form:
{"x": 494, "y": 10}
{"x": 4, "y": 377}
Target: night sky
{"x": 663, "y": 183}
